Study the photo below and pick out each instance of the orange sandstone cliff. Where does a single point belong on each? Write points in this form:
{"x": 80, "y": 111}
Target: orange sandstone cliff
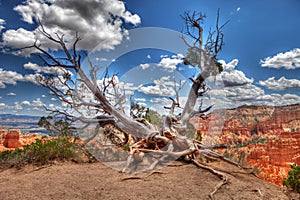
{"x": 264, "y": 137}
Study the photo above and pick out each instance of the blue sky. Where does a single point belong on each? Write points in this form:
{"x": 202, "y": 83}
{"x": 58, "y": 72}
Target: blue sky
{"x": 261, "y": 55}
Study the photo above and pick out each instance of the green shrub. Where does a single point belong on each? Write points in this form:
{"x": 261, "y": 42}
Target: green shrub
{"x": 293, "y": 179}
{"x": 45, "y": 151}
{"x": 41, "y": 152}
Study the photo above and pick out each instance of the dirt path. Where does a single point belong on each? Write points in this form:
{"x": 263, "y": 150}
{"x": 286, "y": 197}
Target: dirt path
{"x": 96, "y": 181}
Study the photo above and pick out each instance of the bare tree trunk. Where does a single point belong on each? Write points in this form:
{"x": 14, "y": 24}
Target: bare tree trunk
{"x": 193, "y": 96}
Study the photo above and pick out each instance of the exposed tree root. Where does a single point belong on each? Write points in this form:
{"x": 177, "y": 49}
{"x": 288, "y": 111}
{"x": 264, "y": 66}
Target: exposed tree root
{"x": 40, "y": 168}
{"x": 179, "y": 147}
{"x": 234, "y": 173}
{"x": 175, "y": 165}
{"x": 161, "y": 148}
{"x": 131, "y": 177}
{"x": 155, "y": 172}
{"x": 143, "y": 177}
{"x": 222, "y": 176}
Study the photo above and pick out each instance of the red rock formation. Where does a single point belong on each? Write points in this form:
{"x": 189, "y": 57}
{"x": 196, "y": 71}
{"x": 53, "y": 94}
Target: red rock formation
{"x": 265, "y": 137}
{"x": 12, "y": 139}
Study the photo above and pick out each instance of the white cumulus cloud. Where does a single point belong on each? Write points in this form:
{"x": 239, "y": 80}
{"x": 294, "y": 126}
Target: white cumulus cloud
{"x": 11, "y": 94}
{"x": 46, "y": 70}
{"x": 9, "y": 77}
{"x": 278, "y": 100}
{"x": 12, "y": 77}
{"x": 161, "y": 87}
{"x": 18, "y": 39}
{"x": 25, "y": 103}
{"x": 229, "y": 66}
{"x": 17, "y": 106}
{"x": 233, "y": 77}
{"x": 140, "y": 99}
{"x": 2, "y": 22}
{"x": 245, "y": 92}
{"x": 160, "y": 100}
{"x": 157, "y": 90}
{"x": 280, "y": 84}
{"x": 145, "y": 66}
{"x": 37, "y": 103}
{"x": 32, "y": 78}
{"x": 170, "y": 64}
{"x": 287, "y": 60}
{"x": 98, "y": 23}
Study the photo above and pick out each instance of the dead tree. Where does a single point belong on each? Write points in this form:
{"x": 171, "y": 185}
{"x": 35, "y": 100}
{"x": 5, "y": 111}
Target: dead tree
{"x": 105, "y": 109}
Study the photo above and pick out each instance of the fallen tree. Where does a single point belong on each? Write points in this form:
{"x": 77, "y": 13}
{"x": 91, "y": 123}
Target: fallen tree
{"x": 106, "y": 111}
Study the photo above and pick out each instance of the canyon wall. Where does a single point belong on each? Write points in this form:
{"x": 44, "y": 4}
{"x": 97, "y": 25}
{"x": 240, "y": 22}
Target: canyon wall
{"x": 263, "y": 137}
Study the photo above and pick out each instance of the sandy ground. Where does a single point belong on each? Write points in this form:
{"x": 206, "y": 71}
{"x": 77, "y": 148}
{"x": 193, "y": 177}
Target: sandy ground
{"x": 96, "y": 181}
